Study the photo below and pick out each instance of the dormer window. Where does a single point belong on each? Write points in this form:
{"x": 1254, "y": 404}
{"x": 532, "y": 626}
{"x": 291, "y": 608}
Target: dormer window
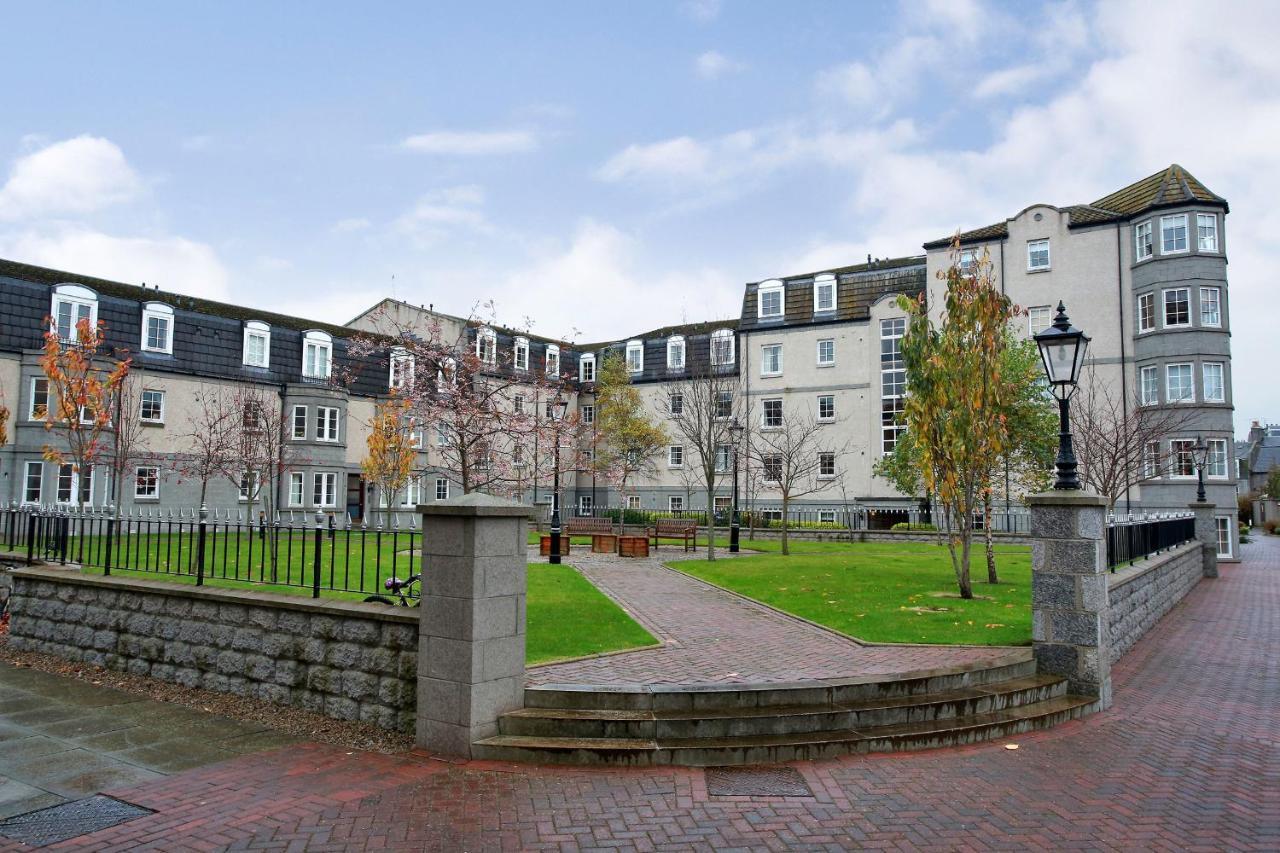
{"x": 402, "y": 367}
{"x": 446, "y": 374}
{"x": 587, "y": 368}
{"x": 317, "y": 354}
{"x": 521, "y": 354}
{"x": 769, "y": 300}
{"x": 722, "y": 347}
{"x": 824, "y": 293}
{"x": 257, "y": 344}
{"x": 71, "y": 304}
{"x": 675, "y": 352}
{"x": 487, "y": 345}
{"x": 157, "y": 327}
{"x": 552, "y": 367}
{"x": 635, "y": 356}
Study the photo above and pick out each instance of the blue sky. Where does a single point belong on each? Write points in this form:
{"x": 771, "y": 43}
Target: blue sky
{"x": 607, "y": 168}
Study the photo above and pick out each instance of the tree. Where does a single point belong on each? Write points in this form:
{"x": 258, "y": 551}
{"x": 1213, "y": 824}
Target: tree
{"x": 4, "y": 420}
{"x": 391, "y": 450}
{"x": 798, "y": 459}
{"x": 1273, "y": 483}
{"x": 83, "y": 386}
{"x": 709, "y": 397}
{"x": 210, "y": 437}
{"x": 129, "y": 438}
{"x": 260, "y": 455}
{"x": 627, "y": 441}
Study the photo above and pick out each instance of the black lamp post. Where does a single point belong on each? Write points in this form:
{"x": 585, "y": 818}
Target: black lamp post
{"x": 1062, "y": 349}
{"x": 1200, "y": 453}
{"x": 558, "y": 409}
{"x": 735, "y": 520}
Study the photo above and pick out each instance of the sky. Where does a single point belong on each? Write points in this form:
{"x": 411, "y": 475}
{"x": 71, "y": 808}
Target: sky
{"x": 600, "y": 169}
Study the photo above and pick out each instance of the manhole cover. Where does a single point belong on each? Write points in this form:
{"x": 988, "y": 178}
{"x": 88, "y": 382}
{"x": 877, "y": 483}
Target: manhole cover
{"x": 69, "y": 820}
{"x": 756, "y": 782}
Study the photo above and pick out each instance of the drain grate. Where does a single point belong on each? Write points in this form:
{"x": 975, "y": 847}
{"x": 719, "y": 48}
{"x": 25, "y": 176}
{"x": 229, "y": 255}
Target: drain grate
{"x": 756, "y": 782}
{"x": 69, "y": 820}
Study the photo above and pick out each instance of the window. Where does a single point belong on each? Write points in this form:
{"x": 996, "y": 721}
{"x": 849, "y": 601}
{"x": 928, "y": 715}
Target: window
{"x": 257, "y": 344}
{"x": 1151, "y": 459}
{"x": 585, "y": 504}
{"x": 1039, "y": 318}
{"x": 633, "y": 501}
{"x": 826, "y": 352}
{"x": 33, "y": 483}
{"x": 324, "y": 489}
{"x": 1173, "y": 234}
{"x": 552, "y": 364}
{"x": 146, "y": 483}
{"x": 157, "y": 327}
{"x": 1182, "y": 457}
{"x": 771, "y": 414}
{"x": 588, "y": 414}
{"x": 412, "y": 492}
{"x": 326, "y": 423}
{"x": 487, "y": 345}
{"x": 1177, "y": 307}
{"x": 675, "y": 353}
{"x": 771, "y": 464}
{"x": 39, "y": 399}
{"x": 1180, "y": 387}
{"x": 826, "y": 464}
{"x": 1142, "y": 248}
{"x": 517, "y": 404}
{"x": 722, "y": 347}
{"x": 724, "y": 457}
{"x": 724, "y": 405}
{"x": 771, "y": 360}
{"x": 66, "y": 484}
{"x": 1222, "y": 526}
{"x": 675, "y": 403}
{"x": 587, "y": 368}
{"x": 71, "y": 305}
{"x": 446, "y": 373}
{"x": 824, "y": 294}
{"x": 295, "y": 488}
{"x": 826, "y": 516}
{"x": 722, "y": 504}
{"x": 826, "y": 407}
{"x": 675, "y": 503}
{"x": 152, "y": 406}
{"x": 770, "y": 300}
{"x": 1210, "y": 307}
{"x": 968, "y": 261}
{"x": 893, "y": 382}
{"x": 635, "y": 356}
{"x": 1207, "y": 232}
{"x": 675, "y": 456}
{"x": 1215, "y": 389}
{"x": 1038, "y": 255}
{"x": 317, "y": 352}
{"x": 1146, "y": 312}
{"x": 1149, "y": 386}
{"x": 245, "y": 481}
{"x": 442, "y": 489}
{"x": 299, "y": 422}
{"x": 521, "y": 354}
{"x": 402, "y": 369}
{"x": 1217, "y": 461}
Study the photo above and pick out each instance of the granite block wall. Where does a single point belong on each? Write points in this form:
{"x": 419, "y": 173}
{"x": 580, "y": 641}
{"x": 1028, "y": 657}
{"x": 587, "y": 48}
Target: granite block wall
{"x": 1140, "y": 595}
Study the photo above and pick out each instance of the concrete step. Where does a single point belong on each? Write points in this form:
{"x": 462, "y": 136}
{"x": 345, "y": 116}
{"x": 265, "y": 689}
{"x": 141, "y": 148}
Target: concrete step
{"x": 792, "y": 746}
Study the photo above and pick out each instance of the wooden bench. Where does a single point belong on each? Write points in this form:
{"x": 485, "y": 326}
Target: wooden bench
{"x": 674, "y": 528}
{"x": 587, "y": 526}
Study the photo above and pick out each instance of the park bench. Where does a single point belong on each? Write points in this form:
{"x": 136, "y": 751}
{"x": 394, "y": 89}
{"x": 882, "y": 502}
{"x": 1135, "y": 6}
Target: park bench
{"x": 674, "y": 528}
{"x": 588, "y": 526}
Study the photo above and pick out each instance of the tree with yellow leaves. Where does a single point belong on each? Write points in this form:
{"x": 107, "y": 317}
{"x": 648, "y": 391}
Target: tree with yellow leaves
{"x": 392, "y": 450}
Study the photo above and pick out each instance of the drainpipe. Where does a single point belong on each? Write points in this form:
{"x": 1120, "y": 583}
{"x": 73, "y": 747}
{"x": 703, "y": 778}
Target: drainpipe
{"x": 1124, "y": 369}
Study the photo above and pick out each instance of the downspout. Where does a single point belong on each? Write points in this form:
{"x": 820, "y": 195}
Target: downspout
{"x": 1124, "y": 371}
{"x": 1006, "y": 454}
{"x": 276, "y": 463}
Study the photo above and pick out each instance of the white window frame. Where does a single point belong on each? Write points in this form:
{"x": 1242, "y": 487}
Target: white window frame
{"x": 1178, "y": 447}
{"x": 1033, "y": 247}
{"x": 1149, "y": 381}
{"x": 1221, "y": 368}
{"x": 588, "y": 413}
{"x": 824, "y": 284}
{"x": 765, "y": 405}
{"x": 827, "y": 362}
{"x": 675, "y": 503}
{"x": 831, "y": 399}
{"x": 76, "y": 297}
{"x": 161, "y": 312}
{"x": 1141, "y": 230}
{"x": 328, "y": 424}
{"x": 256, "y": 329}
{"x": 1207, "y": 238}
{"x": 551, "y": 363}
{"x": 1170, "y": 223}
{"x": 296, "y": 421}
{"x": 154, "y": 493}
{"x": 825, "y": 456}
{"x": 320, "y": 491}
{"x": 826, "y": 516}
{"x": 1169, "y": 395}
{"x": 245, "y": 479}
{"x": 487, "y": 345}
{"x": 1222, "y": 526}
{"x": 401, "y": 366}
{"x": 771, "y": 288}
{"x": 39, "y": 483}
{"x": 672, "y": 408}
{"x": 722, "y": 405}
{"x": 1217, "y": 463}
{"x": 585, "y": 505}
{"x": 1151, "y": 460}
{"x": 520, "y": 356}
{"x": 770, "y": 464}
{"x": 724, "y": 458}
{"x": 1039, "y": 318}
{"x": 297, "y": 489}
{"x": 1164, "y": 307}
{"x": 675, "y": 456}
{"x": 1146, "y": 300}
{"x": 1214, "y": 295}
{"x": 587, "y": 368}
{"x": 442, "y": 489}
{"x": 31, "y": 400}
{"x": 317, "y": 342}
{"x": 633, "y": 501}
{"x": 142, "y": 405}
{"x": 722, "y": 335}
{"x": 66, "y": 471}
{"x": 764, "y": 360}
{"x": 635, "y": 356}
{"x": 675, "y": 352}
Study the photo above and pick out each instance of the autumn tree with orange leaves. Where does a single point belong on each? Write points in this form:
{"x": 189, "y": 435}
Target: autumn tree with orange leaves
{"x": 391, "y": 450}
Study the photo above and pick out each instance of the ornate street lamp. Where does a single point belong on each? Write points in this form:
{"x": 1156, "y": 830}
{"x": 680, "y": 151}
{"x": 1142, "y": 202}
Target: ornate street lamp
{"x": 735, "y": 520}
{"x": 1200, "y": 455}
{"x": 558, "y": 408}
{"x": 1062, "y": 349}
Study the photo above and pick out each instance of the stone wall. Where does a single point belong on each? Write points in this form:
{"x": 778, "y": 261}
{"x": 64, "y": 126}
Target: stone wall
{"x": 347, "y": 660}
{"x": 1140, "y": 595}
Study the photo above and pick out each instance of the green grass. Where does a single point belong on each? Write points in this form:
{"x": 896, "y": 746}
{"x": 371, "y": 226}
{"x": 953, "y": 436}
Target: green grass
{"x": 889, "y": 592}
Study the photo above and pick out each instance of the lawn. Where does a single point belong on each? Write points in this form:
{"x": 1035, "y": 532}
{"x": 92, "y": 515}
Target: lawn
{"x": 888, "y": 592}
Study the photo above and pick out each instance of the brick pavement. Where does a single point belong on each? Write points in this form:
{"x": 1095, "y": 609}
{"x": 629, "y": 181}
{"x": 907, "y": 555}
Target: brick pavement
{"x": 714, "y": 637}
{"x": 1187, "y": 759}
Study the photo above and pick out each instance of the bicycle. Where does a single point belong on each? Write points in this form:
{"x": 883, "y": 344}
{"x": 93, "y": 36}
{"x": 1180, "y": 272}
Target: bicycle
{"x": 402, "y": 590}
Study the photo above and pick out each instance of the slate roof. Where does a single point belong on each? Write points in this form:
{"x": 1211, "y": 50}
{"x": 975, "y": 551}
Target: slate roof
{"x": 1169, "y": 187}
{"x": 859, "y": 287}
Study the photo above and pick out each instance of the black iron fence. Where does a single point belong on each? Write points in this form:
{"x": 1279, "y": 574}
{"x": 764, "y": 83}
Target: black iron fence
{"x": 325, "y": 554}
{"x": 851, "y": 518}
{"x": 1131, "y": 538}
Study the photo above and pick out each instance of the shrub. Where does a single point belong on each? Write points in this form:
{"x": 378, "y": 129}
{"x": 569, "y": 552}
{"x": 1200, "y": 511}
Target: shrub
{"x": 1244, "y": 506}
{"x": 1270, "y": 525}
{"x": 907, "y": 525}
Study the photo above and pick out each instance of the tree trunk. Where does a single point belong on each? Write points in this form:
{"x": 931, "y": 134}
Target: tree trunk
{"x": 711, "y": 522}
{"x": 989, "y": 538}
{"x": 786, "y": 542}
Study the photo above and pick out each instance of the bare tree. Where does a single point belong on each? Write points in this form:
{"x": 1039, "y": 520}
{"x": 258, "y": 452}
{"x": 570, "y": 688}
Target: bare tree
{"x": 210, "y": 438}
{"x": 1120, "y": 443}
{"x": 129, "y": 434}
{"x": 709, "y": 398}
{"x": 261, "y": 456}
{"x": 798, "y": 458}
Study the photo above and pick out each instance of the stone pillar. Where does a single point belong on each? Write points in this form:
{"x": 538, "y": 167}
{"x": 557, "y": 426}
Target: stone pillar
{"x": 1207, "y": 534}
{"x": 1070, "y": 620}
{"x": 472, "y": 629}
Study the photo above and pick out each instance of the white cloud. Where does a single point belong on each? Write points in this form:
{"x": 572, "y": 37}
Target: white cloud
{"x": 472, "y": 143}
{"x": 351, "y": 224}
{"x": 442, "y": 212}
{"x": 702, "y": 11}
{"x": 75, "y": 176}
{"x": 713, "y": 64}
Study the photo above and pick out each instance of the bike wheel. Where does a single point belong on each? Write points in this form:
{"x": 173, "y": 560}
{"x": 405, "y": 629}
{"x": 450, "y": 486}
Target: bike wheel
{"x": 378, "y": 599}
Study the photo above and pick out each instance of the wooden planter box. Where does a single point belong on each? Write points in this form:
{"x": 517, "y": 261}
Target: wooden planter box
{"x": 604, "y": 543}
{"x": 633, "y": 546}
{"x": 544, "y": 545}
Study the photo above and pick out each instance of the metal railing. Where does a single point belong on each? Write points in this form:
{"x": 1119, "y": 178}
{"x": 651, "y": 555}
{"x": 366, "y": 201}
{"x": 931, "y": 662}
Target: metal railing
{"x": 850, "y": 518}
{"x": 1132, "y": 538}
{"x": 324, "y": 554}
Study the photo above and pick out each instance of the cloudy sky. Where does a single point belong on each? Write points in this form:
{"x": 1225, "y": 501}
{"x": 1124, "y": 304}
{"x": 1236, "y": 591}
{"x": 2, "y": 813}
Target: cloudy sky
{"x": 609, "y": 167}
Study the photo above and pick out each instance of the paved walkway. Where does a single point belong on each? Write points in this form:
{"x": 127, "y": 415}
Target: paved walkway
{"x": 1187, "y": 759}
{"x": 713, "y": 637}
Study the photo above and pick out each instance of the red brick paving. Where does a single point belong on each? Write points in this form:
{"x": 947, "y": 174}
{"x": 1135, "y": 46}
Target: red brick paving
{"x": 1188, "y": 759}
{"x": 713, "y": 637}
